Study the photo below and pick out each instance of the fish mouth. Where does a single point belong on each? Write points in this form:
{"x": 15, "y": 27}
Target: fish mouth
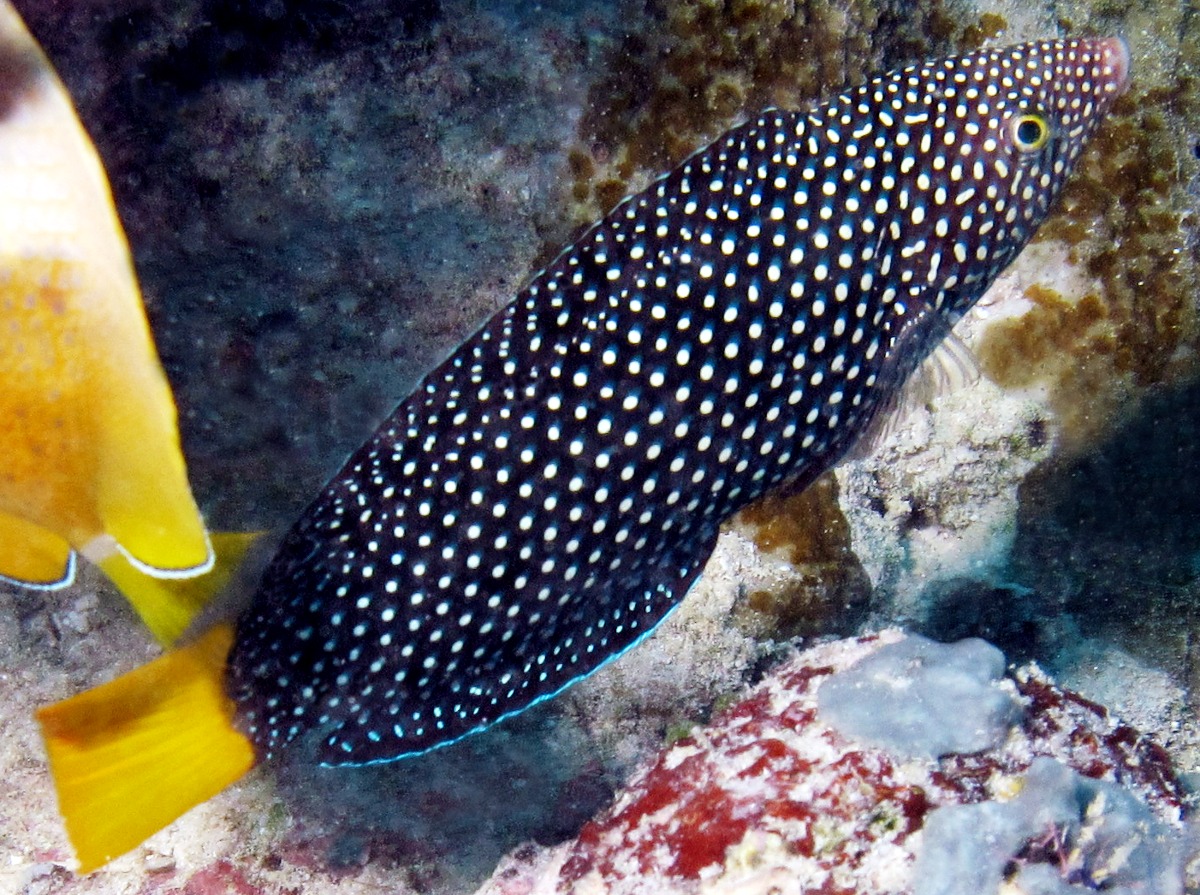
{"x": 1116, "y": 53}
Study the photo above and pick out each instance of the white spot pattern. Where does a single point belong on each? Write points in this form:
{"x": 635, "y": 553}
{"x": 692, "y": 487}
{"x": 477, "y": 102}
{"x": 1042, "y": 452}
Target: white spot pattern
{"x": 551, "y": 491}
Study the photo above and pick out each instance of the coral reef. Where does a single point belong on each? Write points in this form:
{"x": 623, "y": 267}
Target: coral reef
{"x": 1107, "y": 538}
{"x": 1062, "y": 832}
{"x": 774, "y": 794}
{"x": 318, "y": 220}
{"x": 321, "y": 203}
{"x": 918, "y": 698}
{"x": 1041, "y": 504}
{"x": 936, "y": 501}
{"x": 696, "y": 658}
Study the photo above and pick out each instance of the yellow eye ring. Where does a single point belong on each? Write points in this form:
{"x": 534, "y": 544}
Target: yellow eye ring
{"x": 1030, "y": 132}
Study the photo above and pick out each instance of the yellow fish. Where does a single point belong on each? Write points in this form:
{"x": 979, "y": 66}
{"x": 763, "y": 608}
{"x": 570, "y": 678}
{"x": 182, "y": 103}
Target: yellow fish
{"x": 90, "y": 461}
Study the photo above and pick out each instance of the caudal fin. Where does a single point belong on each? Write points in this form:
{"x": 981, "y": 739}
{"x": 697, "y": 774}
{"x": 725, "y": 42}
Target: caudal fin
{"x": 130, "y": 756}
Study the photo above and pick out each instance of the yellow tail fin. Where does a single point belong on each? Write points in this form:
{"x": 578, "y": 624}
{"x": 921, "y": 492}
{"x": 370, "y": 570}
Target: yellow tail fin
{"x": 130, "y": 756}
{"x": 168, "y": 605}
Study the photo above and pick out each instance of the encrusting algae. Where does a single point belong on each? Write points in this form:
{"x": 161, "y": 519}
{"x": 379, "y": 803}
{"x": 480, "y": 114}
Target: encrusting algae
{"x": 807, "y": 528}
{"x": 550, "y": 493}
{"x": 90, "y": 460}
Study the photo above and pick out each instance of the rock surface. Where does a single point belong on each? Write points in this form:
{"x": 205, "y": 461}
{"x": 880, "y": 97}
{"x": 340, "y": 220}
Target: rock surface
{"x": 772, "y": 797}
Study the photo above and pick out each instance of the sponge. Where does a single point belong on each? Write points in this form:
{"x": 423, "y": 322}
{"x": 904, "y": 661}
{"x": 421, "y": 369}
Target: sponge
{"x": 1063, "y": 834}
{"x": 921, "y": 699}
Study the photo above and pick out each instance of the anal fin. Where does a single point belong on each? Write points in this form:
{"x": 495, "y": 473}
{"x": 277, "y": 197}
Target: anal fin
{"x": 34, "y": 556}
{"x": 169, "y": 605}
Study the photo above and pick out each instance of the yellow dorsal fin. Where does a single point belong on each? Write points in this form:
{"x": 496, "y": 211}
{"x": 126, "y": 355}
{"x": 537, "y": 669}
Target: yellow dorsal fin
{"x": 130, "y": 756}
{"x": 168, "y": 605}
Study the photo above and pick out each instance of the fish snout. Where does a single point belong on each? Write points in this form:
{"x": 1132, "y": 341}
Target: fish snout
{"x": 1116, "y": 60}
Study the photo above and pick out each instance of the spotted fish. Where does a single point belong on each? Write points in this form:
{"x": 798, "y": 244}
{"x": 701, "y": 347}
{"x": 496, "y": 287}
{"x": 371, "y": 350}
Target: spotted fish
{"x": 550, "y": 492}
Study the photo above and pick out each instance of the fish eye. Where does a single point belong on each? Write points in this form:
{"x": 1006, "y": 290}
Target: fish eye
{"x": 1030, "y": 132}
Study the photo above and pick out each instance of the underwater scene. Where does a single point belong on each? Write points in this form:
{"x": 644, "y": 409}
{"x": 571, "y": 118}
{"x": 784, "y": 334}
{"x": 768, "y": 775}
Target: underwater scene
{"x": 599, "y": 446}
